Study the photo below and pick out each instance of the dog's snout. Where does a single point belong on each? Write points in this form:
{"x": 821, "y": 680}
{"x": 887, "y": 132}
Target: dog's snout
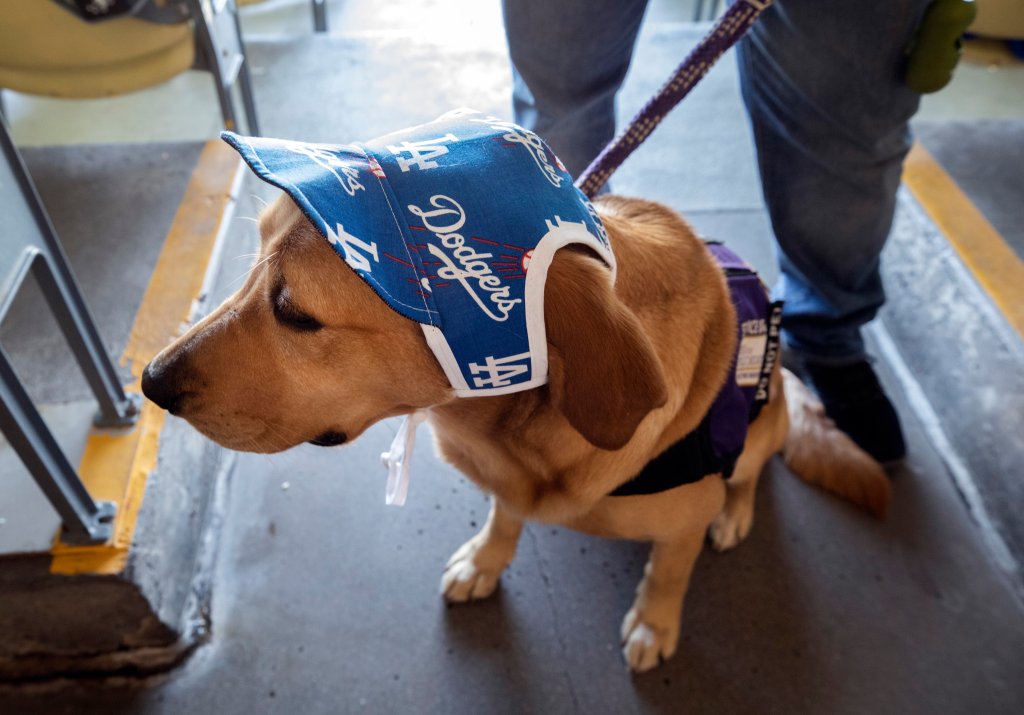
{"x": 161, "y": 383}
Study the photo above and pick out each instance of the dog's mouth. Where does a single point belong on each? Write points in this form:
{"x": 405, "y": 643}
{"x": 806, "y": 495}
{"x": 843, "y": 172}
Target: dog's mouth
{"x": 329, "y": 439}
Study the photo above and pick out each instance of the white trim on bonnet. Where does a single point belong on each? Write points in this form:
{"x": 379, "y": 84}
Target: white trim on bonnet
{"x": 560, "y": 234}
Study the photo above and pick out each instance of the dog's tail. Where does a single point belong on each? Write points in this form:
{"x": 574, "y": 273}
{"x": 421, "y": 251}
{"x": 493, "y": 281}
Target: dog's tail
{"x": 820, "y": 453}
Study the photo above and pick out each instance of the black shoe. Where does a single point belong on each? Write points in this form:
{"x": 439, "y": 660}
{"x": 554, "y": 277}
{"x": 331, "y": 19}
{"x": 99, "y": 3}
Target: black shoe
{"x": 856, "y": 403}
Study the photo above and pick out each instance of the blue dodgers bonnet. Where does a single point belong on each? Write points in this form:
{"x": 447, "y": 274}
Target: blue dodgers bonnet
{"x": 454, "y": 224}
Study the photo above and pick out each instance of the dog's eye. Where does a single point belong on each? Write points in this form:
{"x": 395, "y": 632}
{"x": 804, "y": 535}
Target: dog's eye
{"x": 301, "y": 321}
{"x": 289, "y": 315}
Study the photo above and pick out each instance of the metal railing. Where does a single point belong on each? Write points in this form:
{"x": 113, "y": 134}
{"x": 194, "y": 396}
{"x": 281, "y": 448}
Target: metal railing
{"x": 28, "y": 244}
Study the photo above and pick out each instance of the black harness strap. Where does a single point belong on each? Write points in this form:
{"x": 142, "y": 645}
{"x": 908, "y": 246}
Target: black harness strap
{"x": 687, "y": 461}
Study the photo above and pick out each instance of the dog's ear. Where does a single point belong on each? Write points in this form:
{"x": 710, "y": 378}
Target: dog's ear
{"x": 603, "y": 373}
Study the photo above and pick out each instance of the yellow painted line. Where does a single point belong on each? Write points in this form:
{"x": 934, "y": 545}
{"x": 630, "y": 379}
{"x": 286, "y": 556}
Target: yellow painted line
{"x": 995, "y": 265}
{"x": 116, "y": 464}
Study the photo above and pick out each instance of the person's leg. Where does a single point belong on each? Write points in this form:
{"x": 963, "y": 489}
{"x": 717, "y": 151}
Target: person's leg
{"x": 822, "y": 81}
{"x": 569, "y": 58}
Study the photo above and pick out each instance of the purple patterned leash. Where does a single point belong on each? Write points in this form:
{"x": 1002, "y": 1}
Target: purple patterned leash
{"x": 729, "y": 28}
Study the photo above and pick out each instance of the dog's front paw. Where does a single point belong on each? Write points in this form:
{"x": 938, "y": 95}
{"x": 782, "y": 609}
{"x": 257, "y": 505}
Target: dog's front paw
{"x": 464, "y": 581}
{"x": 470, "y": 574}
{"x": 645, "y": 643}
{"x": 731, "y": 526}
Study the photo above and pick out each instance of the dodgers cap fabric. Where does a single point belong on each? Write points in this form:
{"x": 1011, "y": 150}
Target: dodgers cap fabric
{"x": 454, "y": 224}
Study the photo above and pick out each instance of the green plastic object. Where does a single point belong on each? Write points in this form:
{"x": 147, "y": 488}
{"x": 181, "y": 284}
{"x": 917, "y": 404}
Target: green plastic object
{"x": 936, "y": 47}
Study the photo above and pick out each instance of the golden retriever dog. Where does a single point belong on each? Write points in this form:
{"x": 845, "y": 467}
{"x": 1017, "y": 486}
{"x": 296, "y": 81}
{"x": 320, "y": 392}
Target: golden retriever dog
{"x": 306, "y": 352}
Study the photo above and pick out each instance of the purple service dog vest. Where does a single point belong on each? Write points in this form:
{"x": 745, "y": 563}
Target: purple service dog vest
{"x": 715, "y": 445}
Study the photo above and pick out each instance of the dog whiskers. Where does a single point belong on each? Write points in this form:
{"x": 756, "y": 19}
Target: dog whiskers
{"x": 264, "y": 261}
{"x": 269, "y": 458}
{"x": 256, "y": 449}
{"x": 256, "y": 266}
{"x": 278, "y": 432}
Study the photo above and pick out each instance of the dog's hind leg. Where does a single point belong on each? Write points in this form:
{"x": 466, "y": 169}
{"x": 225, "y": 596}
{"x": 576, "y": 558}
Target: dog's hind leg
{"x": 766, "y": 436}
{"x": 472, "y": 571}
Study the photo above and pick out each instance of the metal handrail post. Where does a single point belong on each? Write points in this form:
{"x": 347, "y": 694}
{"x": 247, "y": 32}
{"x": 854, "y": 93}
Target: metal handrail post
{"x": 320, "y": 15}
{"x": 30, "y": 244}
{"x": 85, "y": 521}
{"x": 65, "y": 299}
{"x": 222, "y": 51}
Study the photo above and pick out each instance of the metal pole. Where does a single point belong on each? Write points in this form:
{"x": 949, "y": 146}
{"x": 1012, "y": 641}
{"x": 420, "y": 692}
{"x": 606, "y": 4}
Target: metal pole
{"x": 85, "y": 521}
{"x": 65, "y": 299}
{"x": 202, "y": 28}
{"x": 320, "y": 15}
{"x": 245, "y": 83}
{"x": 218, "y": 36}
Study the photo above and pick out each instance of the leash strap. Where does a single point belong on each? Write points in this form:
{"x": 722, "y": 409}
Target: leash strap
{"x": 733, "y": 24}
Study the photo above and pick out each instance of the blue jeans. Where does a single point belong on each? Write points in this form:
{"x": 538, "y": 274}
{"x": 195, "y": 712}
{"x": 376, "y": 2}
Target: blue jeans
{"x": 822, "y": 82}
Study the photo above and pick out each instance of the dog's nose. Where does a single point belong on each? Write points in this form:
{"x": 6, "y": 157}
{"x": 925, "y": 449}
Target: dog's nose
{"x": 161, "y": 385}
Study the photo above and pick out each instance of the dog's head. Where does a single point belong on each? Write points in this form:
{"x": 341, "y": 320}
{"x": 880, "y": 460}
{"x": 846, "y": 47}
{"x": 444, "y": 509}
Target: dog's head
{"x": 306, "y": 351}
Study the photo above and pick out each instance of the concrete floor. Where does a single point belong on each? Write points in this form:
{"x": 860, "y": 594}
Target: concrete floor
{"x": 994, "y": 185}
{"x": 325, "y": 601}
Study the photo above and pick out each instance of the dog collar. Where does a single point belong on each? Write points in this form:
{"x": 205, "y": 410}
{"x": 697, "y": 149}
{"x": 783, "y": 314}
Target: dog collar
{"x": 454, "y": 224}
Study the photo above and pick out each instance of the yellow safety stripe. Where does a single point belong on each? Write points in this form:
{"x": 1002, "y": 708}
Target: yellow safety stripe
{"x": 996, "y": 267}
{"x": 116, "y": 464}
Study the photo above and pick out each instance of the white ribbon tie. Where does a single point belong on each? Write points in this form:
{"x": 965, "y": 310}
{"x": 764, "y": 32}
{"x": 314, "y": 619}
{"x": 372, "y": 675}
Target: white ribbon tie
{"x": 398, "y": 459}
